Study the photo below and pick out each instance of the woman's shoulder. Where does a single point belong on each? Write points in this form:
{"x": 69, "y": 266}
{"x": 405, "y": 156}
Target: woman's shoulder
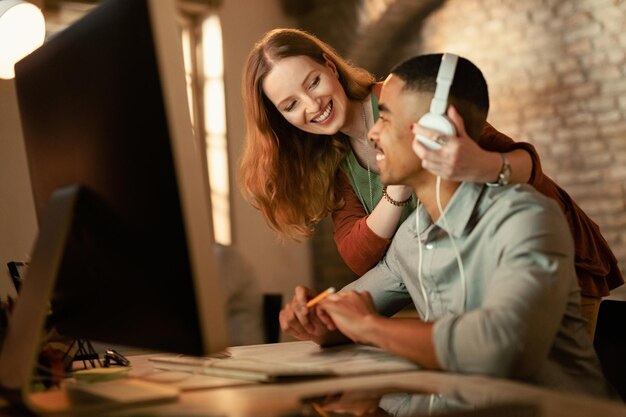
{"x": 377, "y": 88}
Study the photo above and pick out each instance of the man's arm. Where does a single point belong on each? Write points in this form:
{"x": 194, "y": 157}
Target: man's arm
{"x": 304, "y": 323}
{"x": 510, "y": 330}
{"x": 353, "y": 313}
{"x": 510, "y": 333}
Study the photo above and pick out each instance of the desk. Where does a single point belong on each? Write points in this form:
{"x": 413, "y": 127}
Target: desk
{"x": 278, "y": 399}
{"x": 273, "y": 400}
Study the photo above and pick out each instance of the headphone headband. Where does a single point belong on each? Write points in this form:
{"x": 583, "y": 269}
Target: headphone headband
{"x": 439, "y": 104}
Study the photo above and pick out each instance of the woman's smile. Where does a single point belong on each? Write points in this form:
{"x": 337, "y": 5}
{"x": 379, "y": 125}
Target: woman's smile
{"x": 323, "y": 116}
{"x": 308, "y": 94}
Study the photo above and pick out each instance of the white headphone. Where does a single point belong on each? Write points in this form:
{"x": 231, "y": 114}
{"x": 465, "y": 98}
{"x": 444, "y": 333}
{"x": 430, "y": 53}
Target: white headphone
{"x": 436, "y": 118}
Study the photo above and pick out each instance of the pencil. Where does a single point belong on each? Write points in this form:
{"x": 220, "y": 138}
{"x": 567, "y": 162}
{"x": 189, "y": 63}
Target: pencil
{"x": 318, "y": 408}
{"x": 320, "y": 297}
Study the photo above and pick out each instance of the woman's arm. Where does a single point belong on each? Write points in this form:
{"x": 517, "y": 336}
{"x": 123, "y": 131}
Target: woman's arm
{"x": 362, "y": 240}
{"x": 488, "y": 170}
{"x": 465, "y": 159}
{"x": 596, "y": 266}
{"x": 385, "y": 218}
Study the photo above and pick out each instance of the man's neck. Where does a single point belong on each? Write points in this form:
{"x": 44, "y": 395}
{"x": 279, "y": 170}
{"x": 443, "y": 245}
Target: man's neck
{"x": 425, "y": 190}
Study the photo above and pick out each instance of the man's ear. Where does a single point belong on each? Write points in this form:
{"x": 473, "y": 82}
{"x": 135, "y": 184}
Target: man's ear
{"x": 330, "y": 64}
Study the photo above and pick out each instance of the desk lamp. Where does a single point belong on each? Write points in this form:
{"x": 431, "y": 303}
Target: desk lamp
{"x": 22, "y": 30}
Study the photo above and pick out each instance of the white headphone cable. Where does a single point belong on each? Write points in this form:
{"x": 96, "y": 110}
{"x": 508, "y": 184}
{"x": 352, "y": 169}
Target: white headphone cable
{"x": 454, "y": 247}
{"x": 419, "y": 262}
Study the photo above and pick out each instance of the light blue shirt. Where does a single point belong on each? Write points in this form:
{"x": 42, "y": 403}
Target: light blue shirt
{"x": 520, "y": 315}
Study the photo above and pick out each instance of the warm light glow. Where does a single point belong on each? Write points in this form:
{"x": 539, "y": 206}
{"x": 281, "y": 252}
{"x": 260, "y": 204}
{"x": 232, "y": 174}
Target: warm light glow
{"x": 215, "y": 116}
{"x": 209, "y": 115}
{"x": 372, "y": 10}
{"x": 22, "y": 30}
{"x": 215, "y": 125}
{"x": 212, "y": 51}
{"x": 188, "y": 63}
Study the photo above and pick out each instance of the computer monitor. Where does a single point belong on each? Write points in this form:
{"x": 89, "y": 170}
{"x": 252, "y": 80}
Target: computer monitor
{"x": 125, "y": 246}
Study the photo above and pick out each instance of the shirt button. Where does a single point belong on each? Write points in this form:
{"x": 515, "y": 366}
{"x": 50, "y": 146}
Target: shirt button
{"x": 429, "y": 246}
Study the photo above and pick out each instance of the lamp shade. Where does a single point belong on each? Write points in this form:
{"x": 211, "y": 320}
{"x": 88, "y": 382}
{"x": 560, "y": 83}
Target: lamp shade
{"x": 22, "y": 30}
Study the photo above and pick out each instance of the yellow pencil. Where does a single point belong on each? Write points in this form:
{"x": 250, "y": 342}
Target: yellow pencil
{"x": 320, "y": 297}
{"x": 318, "y": 408}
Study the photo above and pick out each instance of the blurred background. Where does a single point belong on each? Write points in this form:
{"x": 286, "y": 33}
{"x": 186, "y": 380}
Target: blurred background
{"x": 556, "y": 71}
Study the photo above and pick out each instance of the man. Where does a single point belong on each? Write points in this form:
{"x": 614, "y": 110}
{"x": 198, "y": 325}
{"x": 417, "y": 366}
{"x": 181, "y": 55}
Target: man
{"x": 493, "y": 279}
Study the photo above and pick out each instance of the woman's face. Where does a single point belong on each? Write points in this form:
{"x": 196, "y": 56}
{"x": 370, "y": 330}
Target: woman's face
{"x": 308, "y": 94}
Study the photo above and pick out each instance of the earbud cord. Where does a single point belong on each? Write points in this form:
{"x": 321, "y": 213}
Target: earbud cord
{"x": 419, "y": 263}
{"x": 454, "y": 247}
{"x": 459, "y": 261}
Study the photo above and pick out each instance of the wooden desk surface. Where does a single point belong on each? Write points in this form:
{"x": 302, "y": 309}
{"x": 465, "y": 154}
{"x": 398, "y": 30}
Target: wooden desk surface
{"x": 283, "y": 399}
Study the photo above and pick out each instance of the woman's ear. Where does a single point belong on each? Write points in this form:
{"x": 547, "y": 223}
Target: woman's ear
{"x": 330, "y": 64}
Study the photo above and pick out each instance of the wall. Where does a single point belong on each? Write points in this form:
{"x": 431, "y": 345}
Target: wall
{"x": 18, "y": 224}
{"x": 556, "y": 72}
{"x": 557, "y": 77}
{"x": 278, "y": 266}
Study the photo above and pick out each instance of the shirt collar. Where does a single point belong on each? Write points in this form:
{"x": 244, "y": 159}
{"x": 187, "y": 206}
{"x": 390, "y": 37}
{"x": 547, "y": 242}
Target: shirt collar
{"x": 458, "y": 211}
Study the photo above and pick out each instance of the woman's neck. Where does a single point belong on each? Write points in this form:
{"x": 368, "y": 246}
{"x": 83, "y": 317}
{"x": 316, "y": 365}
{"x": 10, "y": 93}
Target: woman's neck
{"x": 355, "y": 125}
{"x": 360, "y": 121}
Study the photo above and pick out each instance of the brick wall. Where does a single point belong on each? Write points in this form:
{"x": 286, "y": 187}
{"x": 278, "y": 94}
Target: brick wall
{"x": 557, "y": 76}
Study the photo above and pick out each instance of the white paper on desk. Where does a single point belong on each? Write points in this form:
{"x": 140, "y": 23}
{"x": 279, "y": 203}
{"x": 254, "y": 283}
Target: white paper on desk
{"x": 143, "y": 369}
{"x": 349, "y": 359}
{"x": 288, "y": 360}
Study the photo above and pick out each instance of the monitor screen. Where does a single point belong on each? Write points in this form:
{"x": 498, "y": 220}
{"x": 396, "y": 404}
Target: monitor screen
{"x": 125, "y": 241}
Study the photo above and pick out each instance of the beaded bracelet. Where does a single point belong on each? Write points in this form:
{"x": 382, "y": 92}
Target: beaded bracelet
{"x": 395, "y": 202}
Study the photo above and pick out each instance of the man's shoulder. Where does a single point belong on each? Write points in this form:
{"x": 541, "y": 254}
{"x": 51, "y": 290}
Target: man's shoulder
{"x": 522, "y": 207}
{"x": 519, "y": 217}
{"x": 519, "y": 196}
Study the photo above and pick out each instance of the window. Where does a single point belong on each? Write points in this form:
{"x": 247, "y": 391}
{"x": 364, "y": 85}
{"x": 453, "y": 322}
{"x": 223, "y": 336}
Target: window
{"x": 201, "y": 34}
{"x": 202, "y": 46}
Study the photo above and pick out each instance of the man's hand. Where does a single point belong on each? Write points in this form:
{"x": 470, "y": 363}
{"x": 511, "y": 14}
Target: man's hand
{"x": 352, "y": 313}
{"x": 301, "y": 322}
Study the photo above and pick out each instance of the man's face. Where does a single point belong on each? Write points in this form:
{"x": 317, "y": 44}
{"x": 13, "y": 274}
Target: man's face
{"x": 392, "y": 134}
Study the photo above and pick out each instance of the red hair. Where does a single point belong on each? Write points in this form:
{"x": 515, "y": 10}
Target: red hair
{"x": 286, "y": 173}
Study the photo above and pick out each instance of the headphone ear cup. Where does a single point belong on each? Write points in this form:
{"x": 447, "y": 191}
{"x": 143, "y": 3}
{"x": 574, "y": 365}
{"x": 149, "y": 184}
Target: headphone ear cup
{"x": 438, "y": 123}
{"x": 436, "y": 119}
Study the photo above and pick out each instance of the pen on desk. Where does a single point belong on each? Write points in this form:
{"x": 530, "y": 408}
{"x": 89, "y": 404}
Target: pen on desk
{"x": 320, "y": 297}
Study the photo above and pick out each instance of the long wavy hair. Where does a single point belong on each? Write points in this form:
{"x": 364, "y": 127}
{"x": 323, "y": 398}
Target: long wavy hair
{"x": 286, "y": 173}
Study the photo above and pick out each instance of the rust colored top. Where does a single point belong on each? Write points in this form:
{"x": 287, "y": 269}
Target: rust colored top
{"x": 596, "y": 265}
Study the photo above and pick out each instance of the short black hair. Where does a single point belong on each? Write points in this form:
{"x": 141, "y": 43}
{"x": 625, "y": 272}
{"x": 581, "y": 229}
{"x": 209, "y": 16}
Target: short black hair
{"x": 420, "y": 74}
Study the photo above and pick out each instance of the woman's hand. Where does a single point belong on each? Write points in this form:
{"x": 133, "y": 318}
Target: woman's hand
{"x": 460, "y": 158}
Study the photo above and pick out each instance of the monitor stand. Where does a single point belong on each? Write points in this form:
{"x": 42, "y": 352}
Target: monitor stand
{"x": 23, "y": 338}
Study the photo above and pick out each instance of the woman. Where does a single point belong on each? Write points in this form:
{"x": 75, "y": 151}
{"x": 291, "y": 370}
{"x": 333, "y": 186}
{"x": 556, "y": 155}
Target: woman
{"x": 308, "y": 112}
